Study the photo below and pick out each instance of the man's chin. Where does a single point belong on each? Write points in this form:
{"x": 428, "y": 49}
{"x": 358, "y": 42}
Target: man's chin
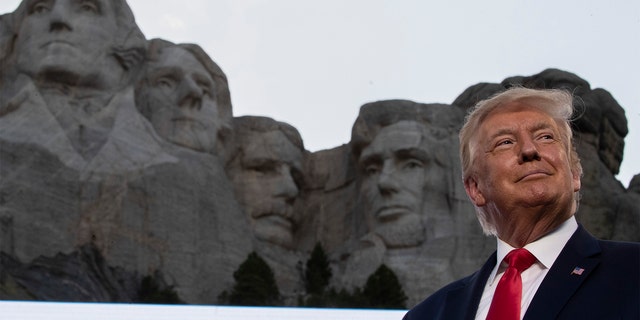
{"x": 193, "y": 142}
{"x": 404, "y": 233}
{"x": 274, "y": 233}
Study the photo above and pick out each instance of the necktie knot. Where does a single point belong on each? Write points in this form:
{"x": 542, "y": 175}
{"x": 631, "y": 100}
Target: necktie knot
{"x": 521, "y": 259}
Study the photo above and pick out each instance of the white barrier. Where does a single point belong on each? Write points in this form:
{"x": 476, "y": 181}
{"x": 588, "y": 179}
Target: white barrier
{"x": 19, "y": 310}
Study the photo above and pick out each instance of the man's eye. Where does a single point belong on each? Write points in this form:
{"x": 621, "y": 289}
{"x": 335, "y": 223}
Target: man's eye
{"x": 40, "y": 7}
{"x": 265, "y": 169}
{"x": 261, "y": 170}
{"x": 371, "y": 170}
{"x": 504, "y": 142}
{"x": 89, "y": 6}
{"x": 413, "y": 164}
{"x": 165, "y": 82}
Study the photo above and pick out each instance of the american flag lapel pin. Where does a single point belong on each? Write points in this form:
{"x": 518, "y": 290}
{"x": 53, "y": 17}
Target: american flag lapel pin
{"x": 577, "y": 271}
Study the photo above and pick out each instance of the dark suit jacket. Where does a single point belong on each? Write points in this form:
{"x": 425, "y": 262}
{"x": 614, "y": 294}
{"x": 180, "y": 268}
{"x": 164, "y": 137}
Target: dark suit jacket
{"x": 608, "y": 288}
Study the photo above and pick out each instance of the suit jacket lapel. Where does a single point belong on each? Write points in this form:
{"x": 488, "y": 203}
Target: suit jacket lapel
{"x": 582, "y": 252}
{"x": 462, "y": 303}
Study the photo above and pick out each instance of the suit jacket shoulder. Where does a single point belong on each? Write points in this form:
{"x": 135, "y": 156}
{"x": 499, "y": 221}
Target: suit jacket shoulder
{"x": 590, "y": 279}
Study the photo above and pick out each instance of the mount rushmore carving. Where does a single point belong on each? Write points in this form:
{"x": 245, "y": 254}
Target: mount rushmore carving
{"x": 120, "y": 157}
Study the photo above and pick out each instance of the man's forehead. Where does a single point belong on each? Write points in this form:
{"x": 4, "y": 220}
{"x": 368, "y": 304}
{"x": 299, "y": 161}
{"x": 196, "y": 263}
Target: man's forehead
{"x": 271, "y": 145}
{"x": 177, "y": 60}
{"x": 518, "y": 113}
{"x": 403, "y": 135}
{"x": 176, "y": 56}
{"x": 512, "y": 107}
{"x": 105, "y": 5}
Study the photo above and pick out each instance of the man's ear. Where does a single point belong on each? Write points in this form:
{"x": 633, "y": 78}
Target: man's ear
{"x": 577, "y": 184}
{"x": 474, "y": 192}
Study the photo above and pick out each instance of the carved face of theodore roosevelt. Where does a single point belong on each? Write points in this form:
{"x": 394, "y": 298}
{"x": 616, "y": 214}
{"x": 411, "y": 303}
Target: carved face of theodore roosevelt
{"x": 266, "y": 177}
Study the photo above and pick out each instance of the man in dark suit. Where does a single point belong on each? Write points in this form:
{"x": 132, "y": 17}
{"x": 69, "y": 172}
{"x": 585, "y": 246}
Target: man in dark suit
{"x": 522, "y": 173}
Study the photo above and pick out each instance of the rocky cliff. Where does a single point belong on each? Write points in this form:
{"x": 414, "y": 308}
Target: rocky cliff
{"x": 120, "y": 159}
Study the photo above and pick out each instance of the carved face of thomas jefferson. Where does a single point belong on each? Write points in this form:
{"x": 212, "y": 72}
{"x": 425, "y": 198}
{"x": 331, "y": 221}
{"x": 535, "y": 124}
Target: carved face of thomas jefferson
{"x": 181, "y": 100}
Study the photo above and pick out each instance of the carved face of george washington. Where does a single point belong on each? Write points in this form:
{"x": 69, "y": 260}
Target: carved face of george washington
{"x": 68, "y": 38}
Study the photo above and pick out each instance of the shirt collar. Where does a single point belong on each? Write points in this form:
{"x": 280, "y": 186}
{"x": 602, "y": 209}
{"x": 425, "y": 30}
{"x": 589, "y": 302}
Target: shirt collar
{"x": 545, "y": 249}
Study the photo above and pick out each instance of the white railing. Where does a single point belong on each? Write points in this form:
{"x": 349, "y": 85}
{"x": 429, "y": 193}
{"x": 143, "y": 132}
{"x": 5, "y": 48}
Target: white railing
{"x": 19, "y": 310}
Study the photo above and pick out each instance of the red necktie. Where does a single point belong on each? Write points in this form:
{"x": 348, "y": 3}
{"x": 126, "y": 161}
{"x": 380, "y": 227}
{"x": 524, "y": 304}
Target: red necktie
{"x": 508, "y": 296}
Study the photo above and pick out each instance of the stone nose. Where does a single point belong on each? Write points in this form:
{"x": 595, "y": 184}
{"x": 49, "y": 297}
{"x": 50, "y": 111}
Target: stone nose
{"x": 287, "y": 187}
{"x": 387, "y": 181}
{"x": 190, "y": 94}
{"x": 59, "y": 17}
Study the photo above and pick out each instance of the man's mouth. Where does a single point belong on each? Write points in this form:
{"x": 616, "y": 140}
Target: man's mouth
{"x": 391, "y": 212}
{"x": 277, "y": 219}
{"x": 534, "y": 174}
{"x": 57, "y": 42}
{"x": 193, "y": 122}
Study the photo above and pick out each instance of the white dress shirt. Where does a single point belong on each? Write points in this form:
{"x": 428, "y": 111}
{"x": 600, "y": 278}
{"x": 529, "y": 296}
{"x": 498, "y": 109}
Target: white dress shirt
{"x": 546, "y": 250}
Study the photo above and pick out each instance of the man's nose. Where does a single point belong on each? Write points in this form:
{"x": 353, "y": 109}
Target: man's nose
{"x": 59, "y": 17}
{"x": 528, "y": 150}
{"x": 190, "y": 94}
{"x": 387, "y": 181}
{"x": 287, "y": 187}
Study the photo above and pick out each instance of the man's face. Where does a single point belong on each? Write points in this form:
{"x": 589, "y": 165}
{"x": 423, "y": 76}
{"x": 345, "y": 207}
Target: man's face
{"x": 267, "y": 184}
{"x": 394, "y": 167}
{"x": 66, "y": 36}
{"x": 182, "y": 100}
{"x": 521, "y": 162}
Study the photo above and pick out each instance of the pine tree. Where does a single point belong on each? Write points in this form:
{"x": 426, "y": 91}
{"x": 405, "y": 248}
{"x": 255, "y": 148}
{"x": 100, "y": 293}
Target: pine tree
{"x": 154, "y": 290}
{"x": 383, "y": 290}
{"x": 316, "y": 279}
{"x": 255, "y": 284}
{"x": 318, "y": 272}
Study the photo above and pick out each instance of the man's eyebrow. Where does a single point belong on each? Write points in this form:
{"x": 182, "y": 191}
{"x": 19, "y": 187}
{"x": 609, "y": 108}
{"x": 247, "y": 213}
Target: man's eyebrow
{"x": 164, "y": 70}
{"x": 412, "y": 153}
{"x": 369, "y": 157}
{"x": 258, "y": 160}
{"x": 409, "y": 152}
{"x": 501, "y": 132}
{"x": 541, "y": 125}
{"x": 204, "y": 77}
{"x": 509, "y": 130}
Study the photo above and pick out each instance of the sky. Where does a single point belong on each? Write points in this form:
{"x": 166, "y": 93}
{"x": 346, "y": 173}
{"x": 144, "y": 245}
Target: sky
{"x": 312, "y": 64}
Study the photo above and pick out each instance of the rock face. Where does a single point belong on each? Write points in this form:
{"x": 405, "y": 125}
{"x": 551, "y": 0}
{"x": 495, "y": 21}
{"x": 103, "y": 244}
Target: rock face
{"x": 91, "y": 156}
{"x": 120, "y": 158}
{"x": 80, "y": 276}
